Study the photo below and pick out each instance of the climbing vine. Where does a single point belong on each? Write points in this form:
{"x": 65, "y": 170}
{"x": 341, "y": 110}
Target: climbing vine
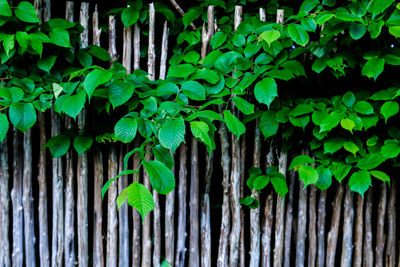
{"x": 324, "y": 80}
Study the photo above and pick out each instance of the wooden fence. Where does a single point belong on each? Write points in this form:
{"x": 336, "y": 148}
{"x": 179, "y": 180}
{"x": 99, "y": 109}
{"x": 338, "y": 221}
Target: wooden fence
{"x": 51, "y": 211}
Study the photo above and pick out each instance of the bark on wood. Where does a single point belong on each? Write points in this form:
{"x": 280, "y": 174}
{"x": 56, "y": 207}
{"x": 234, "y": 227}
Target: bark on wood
{"x": 334, "y": 230}
{"x": 312, "y": 229}
{"x": 46, "y": 10}
{"x": 280, "y": 215}
{"x": 205, "y": 213}
{"x": 222, "y": 260}
{"x": 112, "y": 219}
{"x": 151, "y": 54}
{"x": 242, "y": 252}
{"x": 164, "y": 52}
{"x": 137, "y": 222}
{"x": 359, "y": 224}
{"x": 263, "y": 17}
{"x": 4, "y": 206}
{"x": 368, "y": 252}
{"x": 57, "y": 243}
{"x": 123, "y": 214}
{"x": 38, "y": 4}
{"x": 42, "y": 217}
{"x": 156, "y": 230}
{"x": 181, "y": 235}
{"x": 238, "y": 17}
{"x": 82, "y": 170}
{"x": 301, "y": 225}
{"x": 391, "y": 240}
{"x": 255, "y": 213}
{"x": 16, "y": 198}
{"x": 180, "y": 10}
{"x": 112, "y": 46}
{"x": 194, "y": 257}
{"x": 207, "y": 34}
{"x": 280, "y": 14}
{"x": 69, "y": 245}
{"x": 380, "y": 235}
{"x": 146, "y": 234}
{"x": 27, "y": 201}
{"x": 348, "y": 217}
{"x": 321, "y": 228}
{"x": 136, "y": 47}
{"x": 127, "y": 49}
{"x": 289, "y": 220}
{"x": 98, "y": 248}
{"x": 268, "y": 219}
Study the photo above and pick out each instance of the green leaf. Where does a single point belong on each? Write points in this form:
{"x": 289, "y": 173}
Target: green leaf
{"x": 390, "y": 150}
{"x": 360, "y": 182}
{"x": 268, "y": 124}
{"x": 22, "y": 115}
{"x": 99, "y": 52}
{"x": 370, "y": 161}
{"x": 60, "y": 37}
{"x": 217, "y": 40}
{"x": 25, "y": 12}
{"x": 22, "y": 39}
{"x": 244, "y": 106}
{"x": 166, "y": 89}
{"x": 172, "y": 133}
{"x": 299, "y": 161}
{"x": 351, "y": 147}
{"x": 279, "y": 184}
{"x": 349, "y": 99}
{"x": 375, "y": 28}
{"x": 247, "y": 201}
{"x": 58, "y": 145}
{"x": 36, "y": 44}
{"x": 389, "y": 109}
{"x": 341, "y": 172}
{"x": 373, "y": 68}
{"x": 4, "y": 125}
{"x": 381, "y": 176}
{"x": 348, "y": 124}
{"x": 378, "y": 6}
{"x": 300, "y": 110}
{"x": 265, "y": 91}
{"x": 190, "y": 16}
{"x": 82, "y": 143}
{"x": 121, "y": 198}
{"x": 47, "y": 63}
{"x": 270, "y": 36}
{"x": 308, "y": 175}
{"x": 298, "y": 34}
{"x": 200, "y": 130}
{"x": 129, "y": 16}
{"x": 95, "y": 78}
{"x": 161, "y": 178}
{"x": 357, "y": 30}
{"x": 333, "y": 144}
{"x": 395, "y": 31}
{"x": 125, "y": 130}
{"x": 163, "y": 155}
{"x": 5, "y": 9}
{"x": 140, "y": 198}
{"x": 73, "y": 104}
{"x": 181, "y": 71}
{"x": 324, "y": 178}
{"x": 11, "y": 94}
{"x": 194, "y": 90}
{"x": 260, "y": 182}
{"x": 363, "y": 107}
{"x": 119, "y": 92}
{"x": 234, "y": 124}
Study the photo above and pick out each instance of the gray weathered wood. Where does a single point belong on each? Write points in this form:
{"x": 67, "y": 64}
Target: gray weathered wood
{"x": 312, "y": 227}
{"x": 98, "y": 248}
{"x": 380, "y": 234}
{"x": 194, "y": 255}
{"x": 112, "y": 218}
{"x": 368, "y": 252}
{"x": 391, "y": 239}
{"x": 146, "y": 233}
{"x": 123, "y": 213}
{"x": 289, "y": 220}
{"x": 321, "y": 229}
{"x": 348, "y": 218}
{"x": 4, "y": 205}
{"x": 137, "y": 221}
{"x": 301, "y": 225}
{"x": 359, "y": 225}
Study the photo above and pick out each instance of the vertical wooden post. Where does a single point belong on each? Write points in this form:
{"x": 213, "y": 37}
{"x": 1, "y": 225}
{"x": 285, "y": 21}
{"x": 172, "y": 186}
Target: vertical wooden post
{"x": 112, "y": 219}
{"x": 222, "y": 260}
{"x": 69, "y": 244}
{"x": 321, "y": 228}
{"x": 391, "y": 240}
{"x": 263, "y": 17}
{"x": 164, "y": 52}
{"x": 181, "y": 235}
{"x": 368, "y": 252}
{"x": 27, "y": 201}
{"x": 136, "y": 46}
{"x": 137, "y": 222}
{"x": 359, "y": 225}
{"x": 255, "y": 213}
{"x": 123, "y": 212}
{"x": 146, "y": 234}
{"x": 4, "y": 205}
{"x": 334, "y": 230}
{"x": 380, "y": 234}
{"x": 194, "y": 256}
{"x": 98, "y": 248}
{"x": 151, "y": 60}
{"x": 38, "y": 4}
{"x": 301, "y": 225}
{"x": 268, "y": 219}
{"x": 289, "y": 220}
{"x": 347, "y": 243}
{"x": 312, "y": 229}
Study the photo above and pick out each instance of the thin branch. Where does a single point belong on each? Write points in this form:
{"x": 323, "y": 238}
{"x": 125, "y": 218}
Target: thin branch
{"x": 180, "y": 10}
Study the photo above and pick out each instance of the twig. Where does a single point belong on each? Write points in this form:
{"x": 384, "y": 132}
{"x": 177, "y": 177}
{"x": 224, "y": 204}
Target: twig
{"x": 180, "y": 10}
